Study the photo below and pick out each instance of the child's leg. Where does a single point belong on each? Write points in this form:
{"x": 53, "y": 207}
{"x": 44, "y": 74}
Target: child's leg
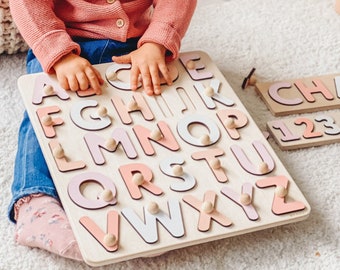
{"x": 31, "y": 176}
{"x": 40, "y": 222}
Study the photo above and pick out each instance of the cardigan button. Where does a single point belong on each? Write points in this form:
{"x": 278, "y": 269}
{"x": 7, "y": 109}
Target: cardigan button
{"x": 120, "y": 23}
{"x": 110, "y": 1}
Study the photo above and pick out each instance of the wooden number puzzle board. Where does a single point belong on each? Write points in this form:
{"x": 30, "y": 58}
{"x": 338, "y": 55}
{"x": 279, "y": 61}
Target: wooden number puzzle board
{"x": 306, "y": 130}
{"x": 140, "y": 175}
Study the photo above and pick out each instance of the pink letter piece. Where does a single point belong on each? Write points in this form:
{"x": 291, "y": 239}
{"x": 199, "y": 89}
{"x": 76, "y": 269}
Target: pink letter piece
{"x": 168, "y": 140}
{"x": 123, "y": 110}
{"x": 49, "y": 129}
{"x": 98, "y": 234}
{"x": 78, "y": 198}
{"x": 209, "y": 155}
{"x": 240, "y": 120}
{"x": 195, "y": 73}
{"x": 43, "y": 80}
{"x": 317, "y": 88}
{"x": 274, "y": 94}
{"x": 205, "y": 218}
{"x": 249, "y": 209}
{"x": 95, "y": 142}
{"x": 127, "y": 172}
{"x": 279, "y": 206}
{"x": 247, "y": 165}
{"x": 62, "y": 164}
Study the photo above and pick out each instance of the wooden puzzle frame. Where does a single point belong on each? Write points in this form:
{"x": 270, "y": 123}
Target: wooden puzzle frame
{"x": 304, "y": 95}
{"x": 141, "y": 175}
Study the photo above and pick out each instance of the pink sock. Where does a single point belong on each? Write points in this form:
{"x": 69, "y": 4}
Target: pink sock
{"x": 42, "y": 223}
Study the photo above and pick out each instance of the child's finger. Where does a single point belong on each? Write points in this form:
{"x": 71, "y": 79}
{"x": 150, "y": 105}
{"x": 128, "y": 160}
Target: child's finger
{"x": 124, "y": 59}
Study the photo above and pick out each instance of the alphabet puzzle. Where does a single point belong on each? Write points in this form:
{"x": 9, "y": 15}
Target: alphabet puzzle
{"x": 140, "y": 175}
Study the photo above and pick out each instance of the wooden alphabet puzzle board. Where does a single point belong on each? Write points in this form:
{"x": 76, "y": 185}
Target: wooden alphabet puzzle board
{"x": 140, "y": 175}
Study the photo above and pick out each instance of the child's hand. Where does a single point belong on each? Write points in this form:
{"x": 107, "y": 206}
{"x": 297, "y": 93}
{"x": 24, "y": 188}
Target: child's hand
{"x": 76, "y": 73}
{"x": 149, "y": 62}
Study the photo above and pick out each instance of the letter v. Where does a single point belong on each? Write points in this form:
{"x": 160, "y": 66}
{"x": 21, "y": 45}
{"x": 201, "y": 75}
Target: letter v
{"x": 98, "y": 234}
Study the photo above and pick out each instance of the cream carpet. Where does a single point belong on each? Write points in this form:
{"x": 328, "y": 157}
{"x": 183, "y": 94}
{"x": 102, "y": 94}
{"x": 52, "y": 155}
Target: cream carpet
{"x": 283, "y": 39}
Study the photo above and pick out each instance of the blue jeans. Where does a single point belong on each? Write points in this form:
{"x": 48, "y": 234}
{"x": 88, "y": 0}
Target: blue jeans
{"x": 31, "y": 174}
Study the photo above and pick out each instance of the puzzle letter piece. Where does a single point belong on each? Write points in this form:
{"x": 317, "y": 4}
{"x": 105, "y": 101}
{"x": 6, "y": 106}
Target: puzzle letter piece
{"x": 61, "y": 161}
{"x": 265, "y": 167}
{"x": 47, "y": 122}
{"x": 108, "y": 240}
{"x": 232, "y": 120}
{"x": 206, "y": 139}
{"x": 136, "y": 104}
{"x": 194, "y": 67}
{"x": 113, "y": 79}
{"x": 128, "y": 171}
{"x": 279, "y": 206}
{"x": 148, "y": 229}
{"x": 101, "y": 201}
{"x": 44, "y": 86}
{"x": 167, "y": 168}
{"x": 214, "y": 163}
{"x": 208, "y": 99}
{"x": 119, "y": 136}
{"x": 244, "y": 199}
{"x": 162, "y": 136}
{"x": 96, "y": 122}
{"x": 207, "y": 211}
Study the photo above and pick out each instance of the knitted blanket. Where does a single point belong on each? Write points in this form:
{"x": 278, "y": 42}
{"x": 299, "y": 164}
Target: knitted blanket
{"x": 10, "y": 39}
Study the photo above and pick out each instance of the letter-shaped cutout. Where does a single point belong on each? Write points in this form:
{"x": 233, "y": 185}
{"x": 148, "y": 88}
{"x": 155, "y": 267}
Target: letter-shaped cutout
{"x": 248, "y": 207}
{"x": 273, "y": 92}
{"x": 48, "y": 129}
{"x": 74, "y": 190}
{"x": 247, "y": 165}
{"x": 112, "y": 229}
{"x": 147, "y": 229}
{"x": 38, "y": 91}
{"x": 211, "y": 157}
{"x": 279, "y": 205}
{"x": 188, "y": 182}
{"x": 144, "y": 136}
{"x": 184, "y": 130}
{"x": 209, "y": 101}
{"x": 207, "y": 213}
{"x": 124, "y": 110}
{"x": 317, "y": 88}
{"x": 238, "y": 118}
{"x": 95, "y": 123}
{"x": 195, "y": 72}
{"x": 95, "y": 142}
{"x": 127, "y": 172}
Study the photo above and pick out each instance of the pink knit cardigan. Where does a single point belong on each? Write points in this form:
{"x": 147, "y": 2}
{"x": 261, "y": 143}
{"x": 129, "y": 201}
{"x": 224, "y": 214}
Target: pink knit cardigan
{"x": 49, "y": 25}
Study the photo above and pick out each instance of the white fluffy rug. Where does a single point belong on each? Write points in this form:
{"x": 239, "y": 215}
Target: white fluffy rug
{"x": 283, "y": 39}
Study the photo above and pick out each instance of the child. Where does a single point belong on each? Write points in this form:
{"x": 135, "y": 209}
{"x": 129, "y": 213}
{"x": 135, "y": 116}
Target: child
{"x": 66, "y": 38}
